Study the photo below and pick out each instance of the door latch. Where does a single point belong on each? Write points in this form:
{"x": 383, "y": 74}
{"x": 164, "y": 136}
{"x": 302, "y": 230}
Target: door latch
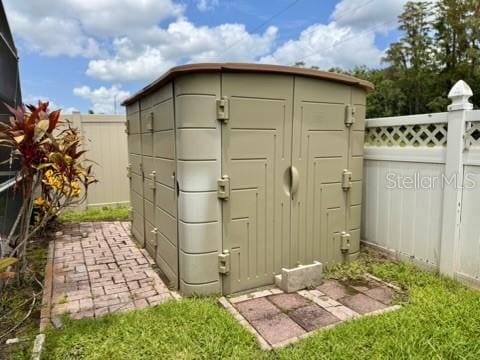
{"x": 224, "y": 262}
{"x": 223, "y": 110}
{"x": 344, "y": 241}
{"x": 223, "y": 189}
{"x": 346, "y": 179}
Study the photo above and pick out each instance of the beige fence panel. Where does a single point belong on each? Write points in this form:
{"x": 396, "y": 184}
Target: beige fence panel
{"x": 106, "y": 142}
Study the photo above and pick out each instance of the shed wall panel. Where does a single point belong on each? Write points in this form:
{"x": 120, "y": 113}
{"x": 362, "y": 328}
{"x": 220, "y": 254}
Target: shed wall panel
{"x": 136, "y": 175}
{"x": 159, "y": 189}
{"x": 199, "y": 166}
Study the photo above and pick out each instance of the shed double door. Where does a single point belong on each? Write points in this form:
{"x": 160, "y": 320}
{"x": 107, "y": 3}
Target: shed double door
{"x": 284, "y": 148}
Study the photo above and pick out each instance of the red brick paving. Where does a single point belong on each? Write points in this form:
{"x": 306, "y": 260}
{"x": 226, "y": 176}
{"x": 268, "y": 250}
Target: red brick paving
{"x": 278, "y": 328}
{"x": 288, "y": 302}
{"x": 382, "y": 294}
{"x": 97, "y": 269}
{"x": 335, "y": 289}
{"x": 257, "y": 308}
{"x": 280, "y": 318}
{"x": 313, "y": 317}
{"x": 362, "y": 304}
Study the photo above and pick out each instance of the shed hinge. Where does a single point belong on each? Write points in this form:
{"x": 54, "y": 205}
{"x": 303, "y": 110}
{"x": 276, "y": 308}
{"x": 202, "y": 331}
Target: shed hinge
{"x": 127, "y": 127}
{"x": 153, "y": 175}
{"x": 150, "y": 121}
{"x": 223, "y": 187}
{"x": 349, "y": 115}
{"x": 223, "y": 110}
{"x": 346, "y": 180}
{"x": 344, "y": 241}
{"x": 129, "y": 171}
{"x": 224, "y": 262}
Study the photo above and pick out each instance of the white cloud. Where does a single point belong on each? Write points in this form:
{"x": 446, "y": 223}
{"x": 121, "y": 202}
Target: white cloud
{"x": 181, "y": 40}
{"x": 73, "y": 27}
{"x": 328, "y": 46}
{"x": 131, "y": 40}
{"x": 103, "y": 99}
{"x": 377, "y": 15}
{"x": 120, "y": 17}
{"x": 125, "y": 38}
{"x": 52, "y": 36}
{"x": 204, "y": 5}
{"x": 348, "y": 40}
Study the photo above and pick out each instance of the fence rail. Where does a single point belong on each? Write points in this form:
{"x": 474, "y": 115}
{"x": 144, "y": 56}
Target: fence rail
{"x": 422, "y": 187}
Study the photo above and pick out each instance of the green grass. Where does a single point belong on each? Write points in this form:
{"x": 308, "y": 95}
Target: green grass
{"x": 106, "y": 213}
{"x": 191, "y": 328}
{"x": 440, "y": 320}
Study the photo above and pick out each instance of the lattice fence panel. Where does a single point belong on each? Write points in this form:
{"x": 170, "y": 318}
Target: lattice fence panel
{"x": 472, "y": 135}
{"x": 407, "y": 135}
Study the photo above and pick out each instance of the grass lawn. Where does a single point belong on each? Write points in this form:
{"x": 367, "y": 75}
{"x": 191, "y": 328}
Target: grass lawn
{"x": 440, "y": 320}
{"x": 106, "y": 213}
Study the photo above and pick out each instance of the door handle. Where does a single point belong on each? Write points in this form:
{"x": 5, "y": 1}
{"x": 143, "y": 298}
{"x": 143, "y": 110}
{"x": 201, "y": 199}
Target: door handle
{"x": 295, "y": 176}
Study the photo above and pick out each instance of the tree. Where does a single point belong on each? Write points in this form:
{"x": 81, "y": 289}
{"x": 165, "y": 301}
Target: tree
{"x": 387, "y": 99}
{"x": 457, "y": 35}
{"x": 411, "y": 59}
{"x": 440, "y": 45}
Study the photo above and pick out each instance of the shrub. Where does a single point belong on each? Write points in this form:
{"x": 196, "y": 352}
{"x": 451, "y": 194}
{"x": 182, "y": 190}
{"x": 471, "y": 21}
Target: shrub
{"x": 51, "y": 168}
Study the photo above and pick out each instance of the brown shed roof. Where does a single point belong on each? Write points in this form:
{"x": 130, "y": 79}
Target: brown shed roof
{"x": 249, "y": 68}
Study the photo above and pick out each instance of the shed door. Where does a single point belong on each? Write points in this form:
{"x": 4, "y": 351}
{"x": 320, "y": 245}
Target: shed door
{"x": 320, "y": 154}
{"x": 257, "y": 157}
{"x": 265, "y": 227}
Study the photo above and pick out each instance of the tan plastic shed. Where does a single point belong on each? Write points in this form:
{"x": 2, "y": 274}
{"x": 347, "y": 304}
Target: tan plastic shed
{"x": 240, "y": 170}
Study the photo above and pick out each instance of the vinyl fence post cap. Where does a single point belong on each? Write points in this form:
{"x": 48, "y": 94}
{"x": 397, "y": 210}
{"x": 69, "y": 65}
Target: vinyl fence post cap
{"x": 459, "y": 95}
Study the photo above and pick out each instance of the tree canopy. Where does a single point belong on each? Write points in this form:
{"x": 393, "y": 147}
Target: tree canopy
{"x": 440, "y": 44}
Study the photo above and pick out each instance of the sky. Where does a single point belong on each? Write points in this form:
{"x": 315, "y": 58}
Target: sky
{"x": 91, "y": 54}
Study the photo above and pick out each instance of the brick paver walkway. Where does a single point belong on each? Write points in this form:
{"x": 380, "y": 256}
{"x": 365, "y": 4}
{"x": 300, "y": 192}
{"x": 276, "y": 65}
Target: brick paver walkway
{"x": 95, "y": 269}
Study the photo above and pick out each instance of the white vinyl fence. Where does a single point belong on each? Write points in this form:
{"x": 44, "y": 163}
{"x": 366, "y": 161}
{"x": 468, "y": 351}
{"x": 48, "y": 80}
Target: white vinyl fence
{"x": 422, "y": 187}
{"x": 106, "y": 142}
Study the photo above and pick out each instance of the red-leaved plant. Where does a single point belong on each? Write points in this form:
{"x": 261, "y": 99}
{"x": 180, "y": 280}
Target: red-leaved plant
{"x": 51, "y": 172}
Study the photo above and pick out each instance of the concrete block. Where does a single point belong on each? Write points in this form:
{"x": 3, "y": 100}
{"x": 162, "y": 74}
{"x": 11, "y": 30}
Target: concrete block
{"x": 301, "y": 277}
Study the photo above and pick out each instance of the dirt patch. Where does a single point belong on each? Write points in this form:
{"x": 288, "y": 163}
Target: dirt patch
{"x": 17, "y": 300}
